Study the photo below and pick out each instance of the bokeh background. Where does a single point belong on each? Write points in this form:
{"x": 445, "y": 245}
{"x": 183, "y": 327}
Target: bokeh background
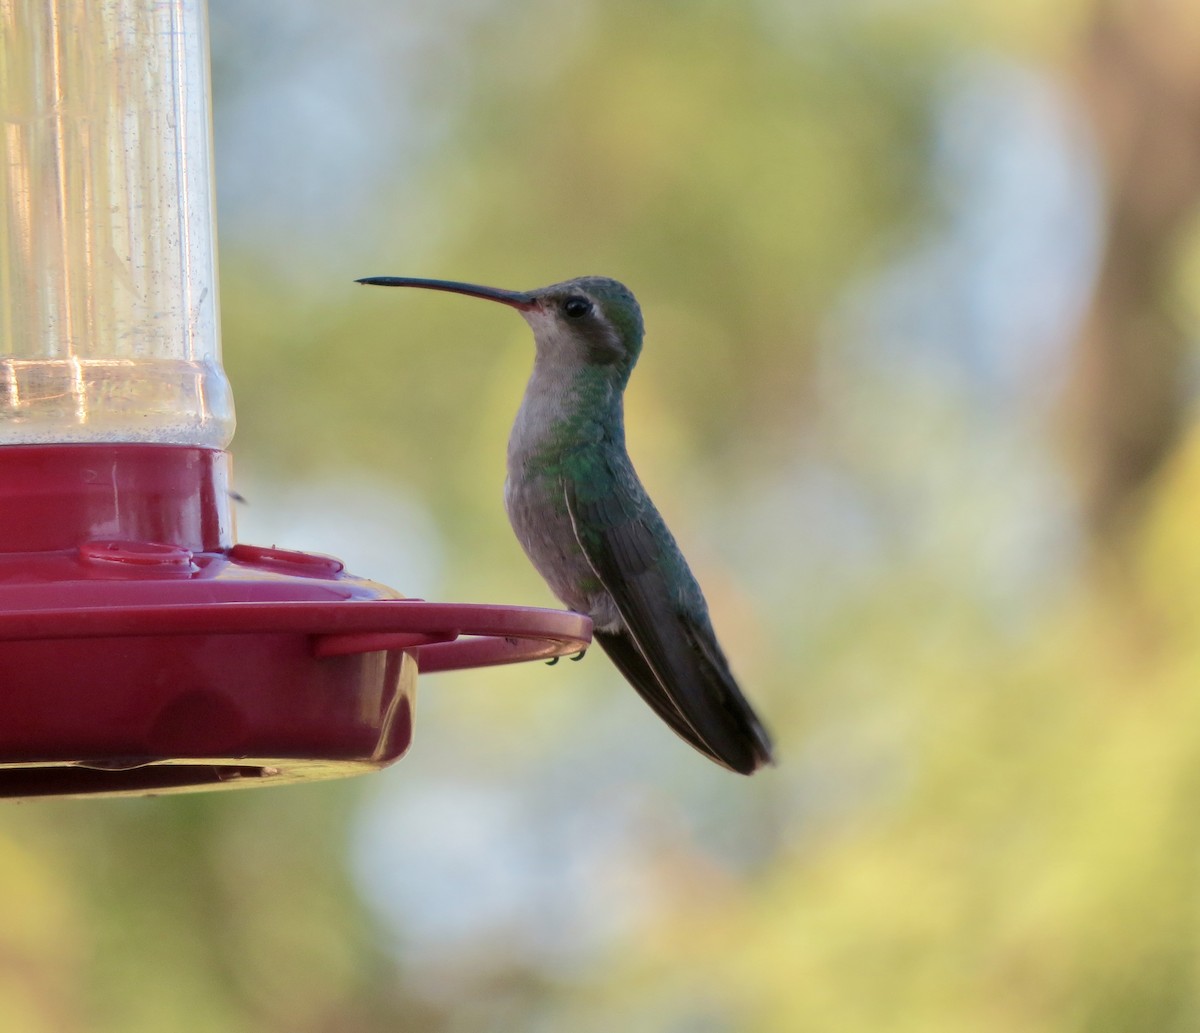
{"x": 922, "y": 286}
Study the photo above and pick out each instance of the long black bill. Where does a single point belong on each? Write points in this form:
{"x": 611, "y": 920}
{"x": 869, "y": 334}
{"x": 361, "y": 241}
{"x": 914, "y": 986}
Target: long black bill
{"x": 517, "y": 299}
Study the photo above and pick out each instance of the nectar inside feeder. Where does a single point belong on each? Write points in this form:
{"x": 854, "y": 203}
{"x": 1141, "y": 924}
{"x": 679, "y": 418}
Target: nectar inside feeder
{"x": 142, "y": 650}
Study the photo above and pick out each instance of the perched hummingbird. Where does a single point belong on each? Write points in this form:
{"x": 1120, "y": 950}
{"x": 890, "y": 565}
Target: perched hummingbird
{"x": 584, "y": 519}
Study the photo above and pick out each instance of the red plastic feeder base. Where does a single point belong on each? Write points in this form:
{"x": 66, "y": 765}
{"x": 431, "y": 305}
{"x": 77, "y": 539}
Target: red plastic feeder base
{"x": 141, "y": 651}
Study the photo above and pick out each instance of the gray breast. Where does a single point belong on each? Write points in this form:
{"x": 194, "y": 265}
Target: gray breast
{"x": 538, "y": 514}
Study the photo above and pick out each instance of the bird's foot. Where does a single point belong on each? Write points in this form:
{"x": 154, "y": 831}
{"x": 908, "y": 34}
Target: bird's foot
{"x": 577, "y": 657}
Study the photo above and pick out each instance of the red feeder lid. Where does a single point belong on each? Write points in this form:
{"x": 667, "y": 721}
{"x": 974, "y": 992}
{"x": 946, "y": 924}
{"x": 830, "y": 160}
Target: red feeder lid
{"x": 141, "y": 651}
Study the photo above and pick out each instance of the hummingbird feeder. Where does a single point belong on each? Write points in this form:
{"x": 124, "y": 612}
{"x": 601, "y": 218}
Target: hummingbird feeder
{"x": 142, "y": 649}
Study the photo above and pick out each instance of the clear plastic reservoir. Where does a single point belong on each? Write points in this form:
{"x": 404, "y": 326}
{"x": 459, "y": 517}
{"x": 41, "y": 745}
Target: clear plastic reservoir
{"x": 108, "y": 287}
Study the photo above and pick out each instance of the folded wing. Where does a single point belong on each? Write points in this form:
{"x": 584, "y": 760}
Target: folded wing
{"x": 667, "y": 649}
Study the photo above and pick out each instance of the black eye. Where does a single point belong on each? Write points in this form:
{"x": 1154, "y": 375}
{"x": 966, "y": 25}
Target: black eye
{"x": 576, "y": 306}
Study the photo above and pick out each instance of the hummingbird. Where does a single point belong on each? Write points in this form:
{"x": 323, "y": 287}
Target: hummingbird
{"x": 587, "y": 524}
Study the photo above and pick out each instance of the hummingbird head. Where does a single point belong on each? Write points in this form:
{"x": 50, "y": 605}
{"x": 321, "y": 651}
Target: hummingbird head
{"x": 588, "y": 321}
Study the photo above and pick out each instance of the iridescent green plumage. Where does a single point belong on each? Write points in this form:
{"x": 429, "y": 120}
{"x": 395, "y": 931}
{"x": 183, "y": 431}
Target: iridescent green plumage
{"x": 587, "y": 524}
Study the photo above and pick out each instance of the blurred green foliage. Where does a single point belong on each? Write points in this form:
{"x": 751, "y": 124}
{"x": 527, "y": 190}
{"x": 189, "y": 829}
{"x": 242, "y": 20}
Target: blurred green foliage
{"x": 983, "y": 819}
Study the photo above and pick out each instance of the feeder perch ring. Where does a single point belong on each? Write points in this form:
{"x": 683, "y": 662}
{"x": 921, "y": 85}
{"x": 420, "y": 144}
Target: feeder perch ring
{"x": 130, "y": 665}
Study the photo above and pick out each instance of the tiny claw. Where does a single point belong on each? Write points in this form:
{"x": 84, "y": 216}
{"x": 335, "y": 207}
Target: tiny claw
{"x": 580, "y": 655}
{"x": 551, "y": 662}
